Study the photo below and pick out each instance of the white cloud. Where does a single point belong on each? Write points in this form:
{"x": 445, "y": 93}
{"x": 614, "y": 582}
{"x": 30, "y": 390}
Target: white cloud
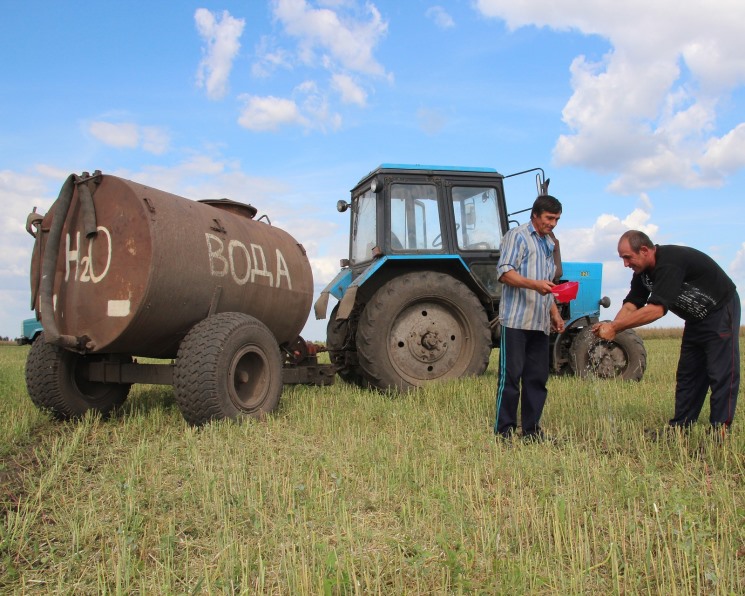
{"x": 342, "y": 40}
{"x": 309, "y": 110}
{"x": 126, "y": 135}
{"x": 649, "y": 108}
{"x": 325, "y": 268}
{"x": 350, "y": 91}
{"x": 726, "y": 154}
{"x": 20, "y": 193}
{"x": 317, "y": 112}
{"x": 269, "y": 58}
{"x": 269, "y": 113}
{"x": 336, "y": 36}
{"x": 440, "y": 17}
{"x": 154, "y": 140}
{"x": 599, "y": 243}
{"x": 222, "y": 39}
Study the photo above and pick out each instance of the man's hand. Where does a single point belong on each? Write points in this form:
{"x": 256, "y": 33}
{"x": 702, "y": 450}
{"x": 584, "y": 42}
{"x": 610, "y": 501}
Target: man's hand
{"x": 543, "y": 286}
{"x": 604, "y": 331}
{"x": 557, "y": 323}
{"x": 514, "y": 279}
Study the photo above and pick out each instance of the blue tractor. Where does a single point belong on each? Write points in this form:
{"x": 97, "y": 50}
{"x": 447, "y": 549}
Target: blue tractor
{"x": 418, "y": 297}
{"x": 30, "y": 330}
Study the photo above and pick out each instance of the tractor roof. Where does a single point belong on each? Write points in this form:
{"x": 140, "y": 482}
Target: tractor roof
{"x": 400, "y": 168}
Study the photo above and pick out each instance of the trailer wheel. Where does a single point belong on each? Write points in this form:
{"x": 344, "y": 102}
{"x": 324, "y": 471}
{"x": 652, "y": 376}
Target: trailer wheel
{"x": 56, "y": 380}
{"x": 337, "y": 336}
{"x": 228, "y": 366}
{"x": 625, "y": 357}
{"x": 422, "y": 327}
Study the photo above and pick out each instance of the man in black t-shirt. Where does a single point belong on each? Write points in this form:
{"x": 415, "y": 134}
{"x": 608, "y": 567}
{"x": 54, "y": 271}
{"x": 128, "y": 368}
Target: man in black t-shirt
{"x": 690, "y": 284}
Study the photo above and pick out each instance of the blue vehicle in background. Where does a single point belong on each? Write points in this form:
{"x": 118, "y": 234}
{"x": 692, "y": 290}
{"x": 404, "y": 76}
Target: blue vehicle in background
{"x": 418, "y": 296}
{"x": 30, "y": 330}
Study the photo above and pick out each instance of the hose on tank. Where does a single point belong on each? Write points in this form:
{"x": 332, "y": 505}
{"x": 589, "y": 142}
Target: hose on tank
{"x": 51, "y": 254}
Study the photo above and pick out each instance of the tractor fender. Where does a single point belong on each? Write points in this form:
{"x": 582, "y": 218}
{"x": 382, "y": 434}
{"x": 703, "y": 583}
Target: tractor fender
{"x": 336, "y": 287}
{"x": 346, "y": 290}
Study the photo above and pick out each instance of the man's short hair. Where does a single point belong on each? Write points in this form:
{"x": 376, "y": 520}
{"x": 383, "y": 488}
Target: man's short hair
{"x": 545, "y": 203}
{"x": 636, "y": 240}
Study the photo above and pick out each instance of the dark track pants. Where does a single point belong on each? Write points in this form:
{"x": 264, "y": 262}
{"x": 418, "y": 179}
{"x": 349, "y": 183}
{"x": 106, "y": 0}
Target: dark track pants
{"x": 523, "y": 356}
{"x": 709, "y": 359}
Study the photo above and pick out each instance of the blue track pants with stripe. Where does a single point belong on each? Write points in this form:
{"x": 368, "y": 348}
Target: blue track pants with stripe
{"x": 523, "y": 374}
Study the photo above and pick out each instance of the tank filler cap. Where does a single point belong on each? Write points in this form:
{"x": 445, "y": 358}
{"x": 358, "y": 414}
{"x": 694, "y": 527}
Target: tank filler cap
{"x": 244, "y": 209}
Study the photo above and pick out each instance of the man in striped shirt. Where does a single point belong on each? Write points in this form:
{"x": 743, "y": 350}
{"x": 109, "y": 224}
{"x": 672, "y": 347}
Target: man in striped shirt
{"x": 527, "y": 313}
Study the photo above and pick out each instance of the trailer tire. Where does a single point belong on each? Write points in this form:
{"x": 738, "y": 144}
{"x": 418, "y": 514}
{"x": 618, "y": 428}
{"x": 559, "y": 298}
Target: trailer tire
{"x": 422, "y": 327}
{"x": 625, "y": 357}
{"x": 228, "y": 366}
{"x": 55, "y": 381}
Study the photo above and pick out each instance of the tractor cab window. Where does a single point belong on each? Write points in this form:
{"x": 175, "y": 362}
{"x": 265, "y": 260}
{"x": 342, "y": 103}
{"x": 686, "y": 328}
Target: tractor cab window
{"x": 364, "y": 228}
{"x": 415, "y": 218}
{"x": 476, "y": 214}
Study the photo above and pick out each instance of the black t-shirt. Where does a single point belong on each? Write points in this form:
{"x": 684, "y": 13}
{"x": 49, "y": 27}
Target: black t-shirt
{"x": 684, "y": 281}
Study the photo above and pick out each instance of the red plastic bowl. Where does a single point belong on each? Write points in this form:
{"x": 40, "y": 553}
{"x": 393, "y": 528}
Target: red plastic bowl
{"x": 566, "y": 291}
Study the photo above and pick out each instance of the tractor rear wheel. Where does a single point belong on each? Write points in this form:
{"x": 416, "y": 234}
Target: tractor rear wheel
{"x": 57, "y": 381}
{"x": 422, "y": 327}
{"x": 228, "y": 366}
{"x": 625, "y": 357}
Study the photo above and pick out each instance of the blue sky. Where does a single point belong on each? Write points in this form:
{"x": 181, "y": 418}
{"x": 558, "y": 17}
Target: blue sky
{"x": 636, "y": 111}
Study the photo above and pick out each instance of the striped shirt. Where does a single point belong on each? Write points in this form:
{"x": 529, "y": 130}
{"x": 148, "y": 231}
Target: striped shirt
{"x": 531, "y": 255}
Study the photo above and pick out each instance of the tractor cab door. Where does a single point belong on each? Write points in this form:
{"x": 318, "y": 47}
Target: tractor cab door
{"x": 402, "y": 218}
{"x": 413, "y": 212}
{"x": 479, "y": 224}
{"x": 477, "y": 219}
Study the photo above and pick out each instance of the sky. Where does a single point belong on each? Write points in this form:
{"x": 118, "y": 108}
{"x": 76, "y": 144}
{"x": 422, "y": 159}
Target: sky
{"x": 635, "y": 110}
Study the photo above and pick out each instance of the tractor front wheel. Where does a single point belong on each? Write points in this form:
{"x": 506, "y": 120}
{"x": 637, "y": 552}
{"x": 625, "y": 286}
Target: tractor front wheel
{"x": 625, "y": 357}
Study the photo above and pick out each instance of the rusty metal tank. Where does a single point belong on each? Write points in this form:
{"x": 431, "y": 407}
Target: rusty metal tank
{"x": 120, "y": 267}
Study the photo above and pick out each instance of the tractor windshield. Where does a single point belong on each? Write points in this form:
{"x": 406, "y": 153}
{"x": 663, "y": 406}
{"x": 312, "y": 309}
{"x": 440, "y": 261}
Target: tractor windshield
{"x": 476, "y": 214}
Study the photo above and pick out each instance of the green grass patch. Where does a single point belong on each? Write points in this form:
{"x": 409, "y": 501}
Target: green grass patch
{"x": 347, "y": 491}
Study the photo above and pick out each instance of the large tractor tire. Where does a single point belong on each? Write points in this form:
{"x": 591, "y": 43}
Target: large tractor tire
{"x": 625, "y": 357}
{"x": 228, "y": 366}
{"x": 338, "y": 336}
{"x": 419, "y": 328}
{"x": 56, "y": 380}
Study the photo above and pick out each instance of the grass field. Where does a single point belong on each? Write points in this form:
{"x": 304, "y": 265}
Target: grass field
{"x": 345, "y": 491}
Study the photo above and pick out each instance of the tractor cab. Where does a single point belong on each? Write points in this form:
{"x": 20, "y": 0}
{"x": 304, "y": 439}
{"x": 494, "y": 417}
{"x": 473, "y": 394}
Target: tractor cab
{"x": 429, "y": 212}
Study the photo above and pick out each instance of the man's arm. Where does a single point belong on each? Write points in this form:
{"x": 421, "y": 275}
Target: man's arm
{"x": 557, "y": 323}
{"x": 627, "y": 318}
{"x": 514, "y": 279}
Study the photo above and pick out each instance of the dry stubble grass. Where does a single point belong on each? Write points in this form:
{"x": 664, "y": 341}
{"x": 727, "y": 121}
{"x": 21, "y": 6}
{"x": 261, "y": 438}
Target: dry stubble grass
{"x": 345, "y": 491}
